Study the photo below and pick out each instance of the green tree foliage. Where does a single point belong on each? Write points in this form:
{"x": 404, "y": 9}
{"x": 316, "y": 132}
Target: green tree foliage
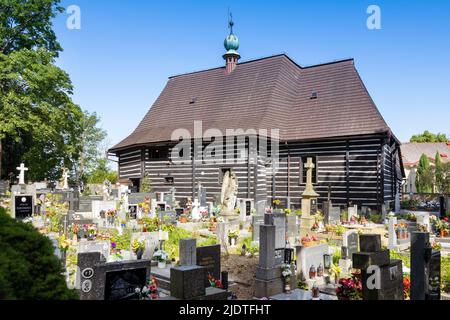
{"x": 29, "y": 270}
{"x": 90, "y": 152}
{"x": 439, "y": 171}
{"x": 39, "y": 123}
{"x": 27, "y": 24}
{"x": 102, "y": 172}
{"x": 427, "y": 136}
{"x": 424, "y": 175}
{"x": 146, "y": 184}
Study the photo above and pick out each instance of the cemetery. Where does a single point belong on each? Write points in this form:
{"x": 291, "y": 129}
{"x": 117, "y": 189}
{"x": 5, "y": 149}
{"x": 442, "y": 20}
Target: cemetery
{"x": 122, "y": 245}
{"x": 264, "y": 180}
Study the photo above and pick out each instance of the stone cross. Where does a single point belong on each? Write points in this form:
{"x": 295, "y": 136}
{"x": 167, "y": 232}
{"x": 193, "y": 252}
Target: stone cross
{"x": 21, "y": 175}
{"x": 309, "y": 190}
{"x": 196, "y": 210}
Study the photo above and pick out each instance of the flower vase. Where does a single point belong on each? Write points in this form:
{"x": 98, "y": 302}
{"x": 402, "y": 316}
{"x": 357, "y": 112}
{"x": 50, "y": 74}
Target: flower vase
{"x": 161, "y": 265}
{"x": 287, "y": 285}
{"x": 139, "y": 253}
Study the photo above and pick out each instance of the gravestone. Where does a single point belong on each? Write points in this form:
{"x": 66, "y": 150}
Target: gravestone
{"x": 310, "y": 256}
{"x": 168, "y": 217}
{"x": 292, "y": 226}
{"x": 136, "y": 198}
{"x": 352, "y": 212}
{"x": 110, "y": 281}
{"x": 3, "y": 187}
{"x": 256, "y": 222}
{"x": 188, "y": 252}
{"x": 375, "y": 263}
{"x": 334, "y": 215}
{"x": 187, "y": 282}
{"x": 132, "y": 211}
{"x": 279, "y": 221}
{"x": 23, "y": 206}
{"x": 425, "y": 268}
{"x": 98, "y": 206}
{"x": 209, "y": 257}
{"x": 269, "y": 281}
{"x": 350, "y": 240}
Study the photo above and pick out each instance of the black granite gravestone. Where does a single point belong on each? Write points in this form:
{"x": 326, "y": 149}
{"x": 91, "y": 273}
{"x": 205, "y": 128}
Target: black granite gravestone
{"x": 121, "y": 285}
{"x": 209, "y": 257}
{"x": 425, "y": 268}
{"x": 23, "y": 206}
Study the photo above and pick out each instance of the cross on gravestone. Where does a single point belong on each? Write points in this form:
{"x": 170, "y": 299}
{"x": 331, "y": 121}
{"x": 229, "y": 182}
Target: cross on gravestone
{"x": 21, "y": 175}
{"x": 309, "y": 190}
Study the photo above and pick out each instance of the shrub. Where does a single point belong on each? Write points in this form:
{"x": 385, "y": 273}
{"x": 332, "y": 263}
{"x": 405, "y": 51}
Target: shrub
{"x": 29, "y": 270}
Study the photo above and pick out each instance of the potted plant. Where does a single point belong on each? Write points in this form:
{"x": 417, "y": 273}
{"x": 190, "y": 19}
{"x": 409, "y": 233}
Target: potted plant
{"x": 138, "y": 248}
{"x": 286, "y": 272}
{"x": 350, "y": 288}
{"x": 161, "y": 257}
{"x": 149, "y": 291}
{"x": 183, "y": 218}
{"x": 111, "y": 216}
{"x": 309, "y": 241}
{"x": 232, "y": 237}
{"x": 213, "y": 282}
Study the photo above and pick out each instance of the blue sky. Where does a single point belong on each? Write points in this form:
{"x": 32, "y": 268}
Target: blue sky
{"x": 120, "y": 59}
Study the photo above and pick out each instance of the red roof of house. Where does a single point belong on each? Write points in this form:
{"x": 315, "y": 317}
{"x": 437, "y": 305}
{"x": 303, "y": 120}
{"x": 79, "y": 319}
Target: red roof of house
{"x": 268, "y": 93}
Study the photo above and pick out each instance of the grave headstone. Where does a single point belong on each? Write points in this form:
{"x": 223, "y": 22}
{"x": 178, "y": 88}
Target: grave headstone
{"x": 23, "y": 206}
{"x": 425, "y": 268}
{"x": 352, "y": 212}
{"x": 292, "y": 226}
{"x": 188, "y": 252}
{"x": 256, "y": 222}
{"x": 279, "y": 221}
{"x": 110, "y": 281}
{"x": 350, "y": 240}
{"x": 151, "y": 241}
{"x": 334, "y": 215}
{"x": 375, "y": 263}
{"x": 209, "y": 257}
{"x": 187, "y": 282}
{"x": 136, "y": 198}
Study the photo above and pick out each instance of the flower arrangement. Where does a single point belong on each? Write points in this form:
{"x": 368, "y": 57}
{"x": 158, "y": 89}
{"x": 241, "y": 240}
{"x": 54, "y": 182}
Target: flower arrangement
{"x": 111, "y": 213}
{"x": 233, "y": 234}
{"x": 406, "y": 287}
{"x": 64, "y": 243}
{"x": 214, "y": 282}
{"x": 298, "y": 212}
{"x": 276, "y": 202}
{"x": 287, "y": 211}
{"x": 436, "y": 246}
{"x": 350, "y": 288}
{"x": 160, "y": 256}
{"x": 309, "y": 241}
{"x": 286, "y": 271}
{"x": 137, "y": 245}
{"x": 149, "y": 291}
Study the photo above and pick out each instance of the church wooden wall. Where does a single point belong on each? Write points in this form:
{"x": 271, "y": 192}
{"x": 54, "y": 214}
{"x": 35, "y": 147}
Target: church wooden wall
{"x": 362, "y": 170}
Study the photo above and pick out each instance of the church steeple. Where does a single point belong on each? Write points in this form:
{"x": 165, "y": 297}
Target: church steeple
{"x": 231, "y": 45}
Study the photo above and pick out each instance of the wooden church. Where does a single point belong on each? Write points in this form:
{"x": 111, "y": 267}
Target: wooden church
{"x": 323, "y": 112}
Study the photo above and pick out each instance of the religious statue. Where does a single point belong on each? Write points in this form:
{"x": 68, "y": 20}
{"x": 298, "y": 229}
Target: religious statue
{"x": 229, "y": 193}
{"x": 64, "y": 179}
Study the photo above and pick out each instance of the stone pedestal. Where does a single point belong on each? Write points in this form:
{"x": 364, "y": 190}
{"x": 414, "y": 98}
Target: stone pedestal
{"x": 306, "y": 224}
{"x": 187, "y": 282}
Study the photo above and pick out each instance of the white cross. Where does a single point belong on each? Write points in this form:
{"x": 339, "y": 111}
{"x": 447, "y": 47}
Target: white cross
{"x": 21, "y": 175}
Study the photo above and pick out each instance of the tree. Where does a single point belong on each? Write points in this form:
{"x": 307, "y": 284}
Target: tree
{"x": 29, "y": 269}
{"x": 424, "y": 175}
{"x": 101, "y": 173}
{"x": 427, "y": 136}
{"x": 146, "y": 184}
{"x": 90, "y": 151}
{"x": 439, "y": 172}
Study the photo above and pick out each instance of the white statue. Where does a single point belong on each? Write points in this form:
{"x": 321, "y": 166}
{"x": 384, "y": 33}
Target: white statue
{"x": 229, "y": 193}
{"x": 21, "y": 175}
{"x": 64, "y": 179}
